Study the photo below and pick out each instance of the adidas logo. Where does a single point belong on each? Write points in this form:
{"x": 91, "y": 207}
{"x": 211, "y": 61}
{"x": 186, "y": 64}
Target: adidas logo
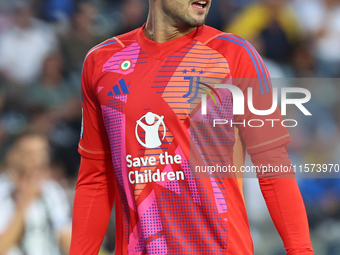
{"x": 119, "y": 89}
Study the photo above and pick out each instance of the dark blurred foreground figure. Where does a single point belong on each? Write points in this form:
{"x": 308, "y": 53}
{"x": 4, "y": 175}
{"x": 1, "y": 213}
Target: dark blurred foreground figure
{"x": 34, "y": 212}
{"x": 148, "y": 138}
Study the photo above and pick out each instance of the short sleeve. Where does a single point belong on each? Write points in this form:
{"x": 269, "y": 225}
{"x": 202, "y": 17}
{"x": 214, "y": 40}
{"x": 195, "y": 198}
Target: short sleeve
{"x": 94, "y": 141}
{"x": 259, "y": 132}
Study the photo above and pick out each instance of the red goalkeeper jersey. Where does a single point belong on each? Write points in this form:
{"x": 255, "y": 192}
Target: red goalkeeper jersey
{"x": 152, "y": 109}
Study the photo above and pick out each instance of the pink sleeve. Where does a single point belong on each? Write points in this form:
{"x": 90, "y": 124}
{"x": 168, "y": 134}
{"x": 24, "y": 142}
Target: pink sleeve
{"x": 284, "y": 202}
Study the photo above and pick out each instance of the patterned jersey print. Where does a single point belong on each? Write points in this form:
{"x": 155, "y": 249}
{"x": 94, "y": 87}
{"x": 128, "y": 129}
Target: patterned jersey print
{"x": 152, "y": 107}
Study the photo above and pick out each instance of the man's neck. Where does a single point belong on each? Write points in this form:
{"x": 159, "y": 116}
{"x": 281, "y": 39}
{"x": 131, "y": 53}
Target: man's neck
{"x": 160, "y": 30}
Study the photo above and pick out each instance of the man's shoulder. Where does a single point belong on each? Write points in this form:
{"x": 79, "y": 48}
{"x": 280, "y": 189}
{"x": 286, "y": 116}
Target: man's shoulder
{"x": 207, "y": 33}
{"x": 129, "y": 37}
{"x": 221, "y": 41}
{"x": 113, "y": 44}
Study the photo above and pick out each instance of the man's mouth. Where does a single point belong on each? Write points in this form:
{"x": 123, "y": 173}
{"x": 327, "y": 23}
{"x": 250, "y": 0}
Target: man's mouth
{"x": 200, "y": 4}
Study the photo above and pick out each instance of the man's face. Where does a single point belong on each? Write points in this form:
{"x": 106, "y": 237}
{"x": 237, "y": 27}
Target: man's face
{"x": 186, "y": 13}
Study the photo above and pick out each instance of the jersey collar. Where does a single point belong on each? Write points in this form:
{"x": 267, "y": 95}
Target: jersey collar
{"x": 161, "y": 50}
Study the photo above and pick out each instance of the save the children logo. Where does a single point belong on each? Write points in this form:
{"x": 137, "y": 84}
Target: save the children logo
{"x": 148, "y": 130}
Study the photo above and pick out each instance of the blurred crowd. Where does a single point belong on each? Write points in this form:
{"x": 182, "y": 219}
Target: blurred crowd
{"x": 42, "y": 47}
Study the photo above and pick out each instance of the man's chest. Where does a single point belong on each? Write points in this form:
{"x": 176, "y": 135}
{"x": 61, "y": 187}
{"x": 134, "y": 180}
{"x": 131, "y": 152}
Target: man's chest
{"x": 126, "y": 82}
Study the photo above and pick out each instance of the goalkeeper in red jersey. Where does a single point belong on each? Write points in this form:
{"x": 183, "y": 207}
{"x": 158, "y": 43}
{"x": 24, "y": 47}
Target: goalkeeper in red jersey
{"x": 149, "y": 99}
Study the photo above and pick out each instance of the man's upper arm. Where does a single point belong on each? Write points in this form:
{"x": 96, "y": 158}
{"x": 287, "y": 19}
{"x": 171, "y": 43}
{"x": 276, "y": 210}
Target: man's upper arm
{"x": 249, "y": 71}
{"x": 94, "y": 142}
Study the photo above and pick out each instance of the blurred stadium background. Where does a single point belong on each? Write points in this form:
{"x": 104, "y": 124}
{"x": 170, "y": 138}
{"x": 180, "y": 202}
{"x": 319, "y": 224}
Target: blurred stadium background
{"x": 43, "y": 44}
